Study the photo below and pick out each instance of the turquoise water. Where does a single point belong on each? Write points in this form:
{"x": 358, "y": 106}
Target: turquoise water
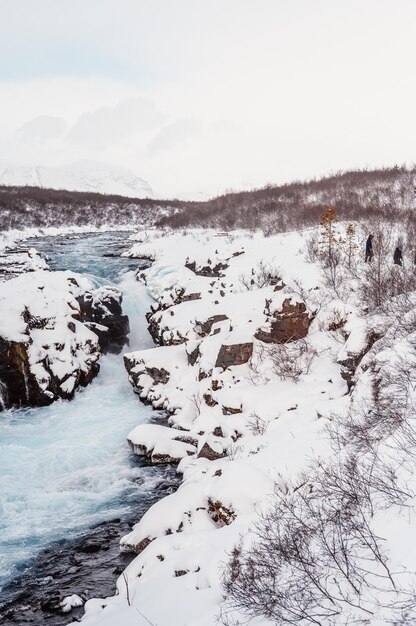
{"x": 66, "y": 467}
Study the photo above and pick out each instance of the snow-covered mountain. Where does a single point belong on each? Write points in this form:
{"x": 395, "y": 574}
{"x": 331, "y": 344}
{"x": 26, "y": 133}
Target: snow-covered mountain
{"x": 83, "y": 175}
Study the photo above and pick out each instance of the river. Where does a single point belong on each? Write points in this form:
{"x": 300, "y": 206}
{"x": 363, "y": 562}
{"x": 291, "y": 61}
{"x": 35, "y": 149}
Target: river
{"x": 67, "y": 467}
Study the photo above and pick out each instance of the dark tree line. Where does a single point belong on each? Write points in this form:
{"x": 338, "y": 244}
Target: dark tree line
{"x": 22, "y": 207}
{"x": 361, "y": 194}
{"x": 355, "y": 195}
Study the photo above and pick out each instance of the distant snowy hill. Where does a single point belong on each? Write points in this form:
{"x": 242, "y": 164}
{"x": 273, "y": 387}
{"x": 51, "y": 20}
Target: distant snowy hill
{"x": 81, "y": 175}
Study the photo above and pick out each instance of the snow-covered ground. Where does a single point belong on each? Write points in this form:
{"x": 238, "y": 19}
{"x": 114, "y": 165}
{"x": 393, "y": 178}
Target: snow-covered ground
{"x": 281, "y": 380}
{"x": 83, "y": 175}
{"x": 255, "y": 361}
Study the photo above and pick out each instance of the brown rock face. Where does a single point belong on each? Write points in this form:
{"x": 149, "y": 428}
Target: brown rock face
{"x": 288, "y": 324}
{"x": 207, "y": 452}
{"x": 19, "y": 387}
{"x": 234, "y": 354}
{"x": 15, "y": 388}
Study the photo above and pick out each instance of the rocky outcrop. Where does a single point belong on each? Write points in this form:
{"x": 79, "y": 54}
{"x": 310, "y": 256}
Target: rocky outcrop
{"x": 211, "y": 452}
{"x": 161, "y": 445}
{"x": 137, "y": 369}
{"x": 234, "y": 354}
{"x": 352, "y": 361}
{"x": 53, "y": 327}
{"x": 101, "y": 311}
{"x": 24, "y": 383}
{"x": 289, "y": 323}
{"x": 209, "y": 270}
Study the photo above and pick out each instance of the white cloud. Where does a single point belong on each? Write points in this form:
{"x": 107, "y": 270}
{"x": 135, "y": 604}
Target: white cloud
{"x": 109, "y": 125}
{"x": 195, "y": 95}
{"x": 173, "y": 135}
{"x": 42, "y": 128}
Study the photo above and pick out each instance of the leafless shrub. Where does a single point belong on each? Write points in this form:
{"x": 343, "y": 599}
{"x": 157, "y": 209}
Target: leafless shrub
{"x": 288, "y": 361}
{"x": 262, "y": 275}
{"x": 315, "y": 554}
{"x": 257, "y": 425}
{"x": 312, "y": 248}
{"x": 291, "y": 360}
{"x": 197, "y": 401}
{"x": 316, "y": 558}
{"x": 333, "y": 273}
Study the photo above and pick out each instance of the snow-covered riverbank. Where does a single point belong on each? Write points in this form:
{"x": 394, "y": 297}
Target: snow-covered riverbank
{"x": 264, "y": 360}
{"x": 240, "y": 427}
{"x": 67, "y": 467}
{"x": 258, "y": 365}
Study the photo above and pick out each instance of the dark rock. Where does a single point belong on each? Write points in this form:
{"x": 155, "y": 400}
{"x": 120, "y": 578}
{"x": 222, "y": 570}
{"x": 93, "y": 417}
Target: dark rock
{"x": 220, "y": 514}
{"x": 289, "y": 324}
{"x": 204, "y": 328}
{"x": 234, "y": 354}
{"x": 181, "y": 572}
{"x": 19, "y": 387}
{"x": 193, "y": 356}
{"x": 207, "y": 270}
{"x": 206, "y": 452}
{"x": 209, "y": 400}
{"x": 159, "y": 375}
{"x": 229, "y": 410}
{"x": 348, "y": 366}
{"x": 142, "y": 545}
{"x": 102, "y": 311}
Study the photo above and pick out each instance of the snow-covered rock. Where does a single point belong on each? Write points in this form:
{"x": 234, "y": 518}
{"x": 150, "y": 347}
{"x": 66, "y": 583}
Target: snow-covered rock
{"x": 253, "y": 423}
{"x": 71, "y": 602}
{"x": 47, "y": 349}
{"x": 13, "y": 263}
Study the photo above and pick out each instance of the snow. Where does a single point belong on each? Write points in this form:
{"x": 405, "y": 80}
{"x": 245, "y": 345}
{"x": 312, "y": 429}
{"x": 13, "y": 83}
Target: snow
{"x": 269, "y": 429}
{"x": 242, "y": 433}
{"x": 70, "y": 602}
{"x": 82, "y": 175}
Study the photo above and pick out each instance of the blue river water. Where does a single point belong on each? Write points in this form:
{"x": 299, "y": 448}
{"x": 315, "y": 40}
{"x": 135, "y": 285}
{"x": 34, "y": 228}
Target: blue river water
{"x": 66, "y": 467}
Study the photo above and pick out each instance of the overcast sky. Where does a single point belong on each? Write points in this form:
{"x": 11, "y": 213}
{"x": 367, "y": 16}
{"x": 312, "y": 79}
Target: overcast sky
{"x": 207, "y": 95}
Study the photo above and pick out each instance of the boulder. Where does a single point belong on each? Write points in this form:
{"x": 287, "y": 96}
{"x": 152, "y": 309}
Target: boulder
{"x": 101, "y": 311}
{"x": 289, "y": 323}
{"x": 204, "y": 328}
{"x": 208, "y": 452}
{"x": 351, "y": 360}
{"x": 137, "y": 368}
{"x": 161, "y": 445}
{"x": 234, "y": 354}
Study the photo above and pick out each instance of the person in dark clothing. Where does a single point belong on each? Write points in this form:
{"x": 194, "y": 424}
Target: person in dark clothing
{"x": 397, "y": 256}
{"x": 369, "y": 248}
